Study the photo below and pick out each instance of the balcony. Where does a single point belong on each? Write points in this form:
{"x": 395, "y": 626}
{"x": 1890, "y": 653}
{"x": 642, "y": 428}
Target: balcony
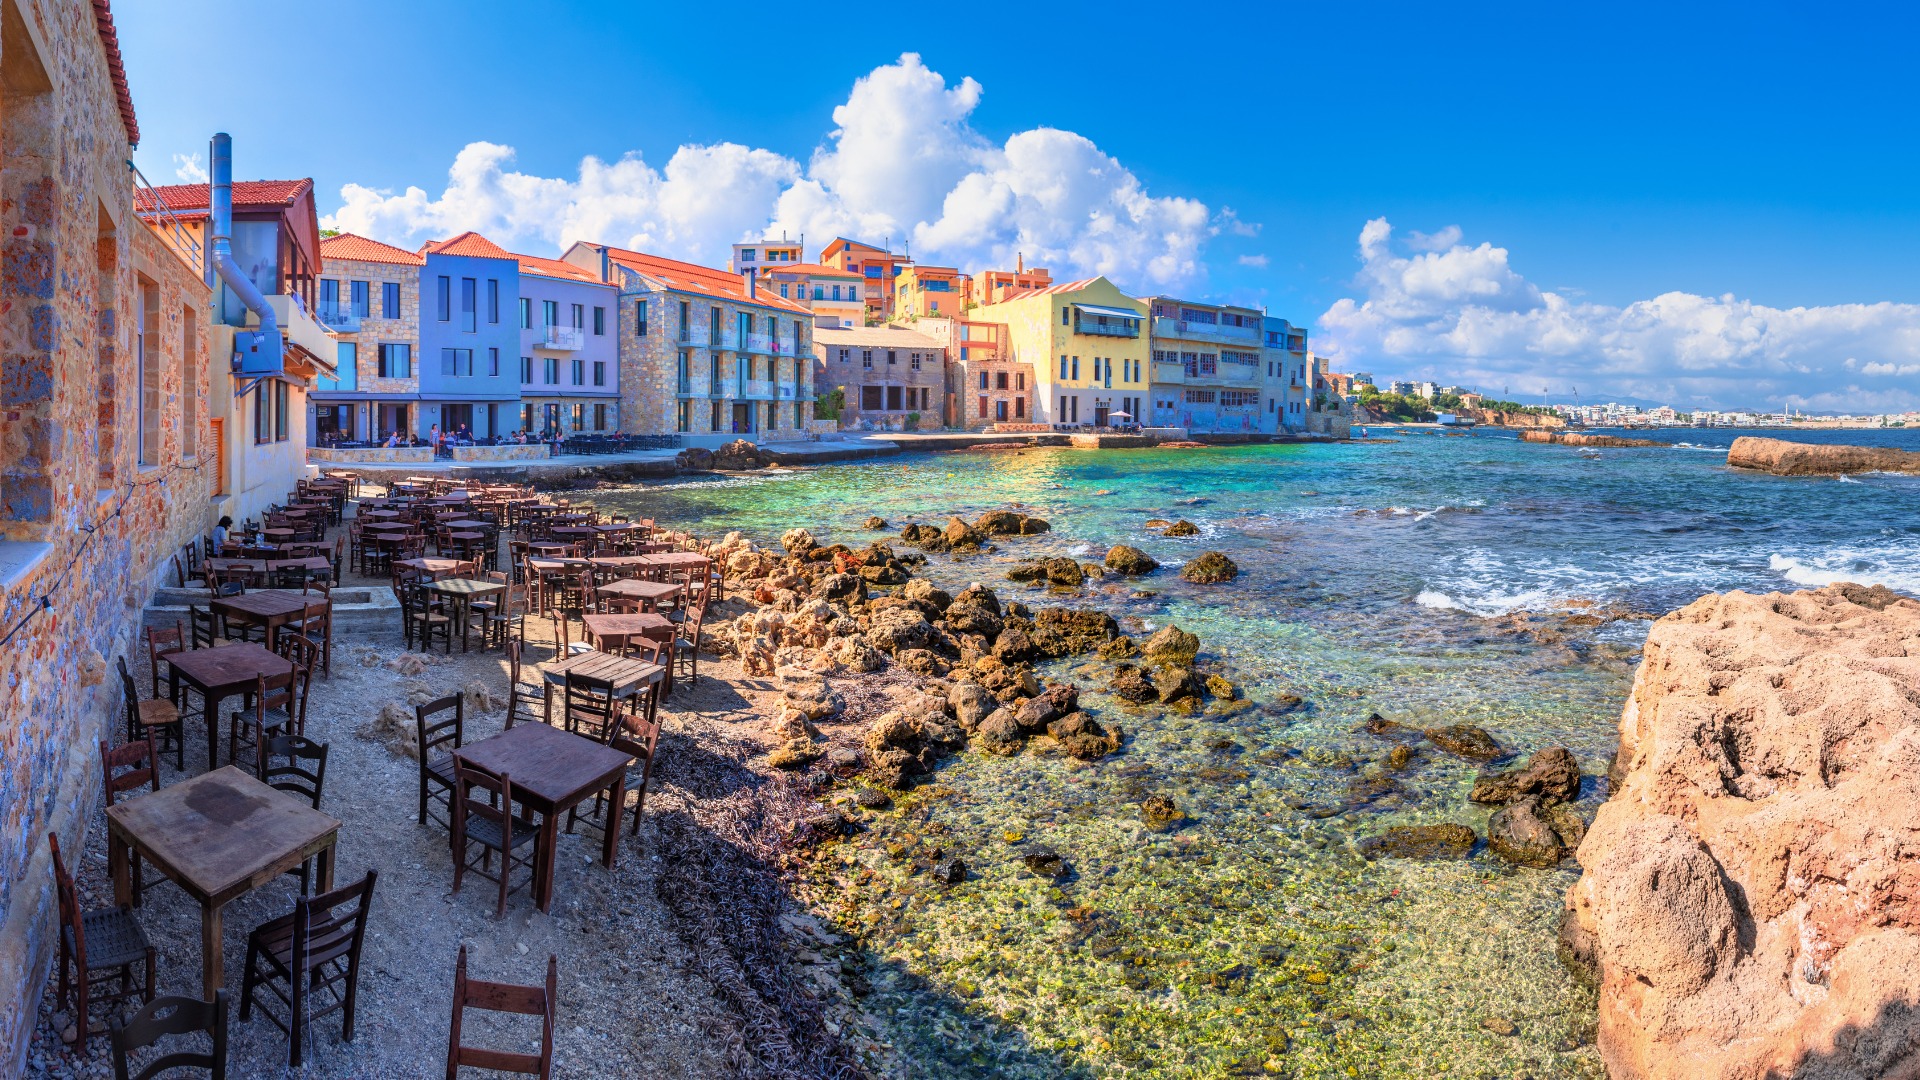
{"x": 1168, "y": 374}
{"x": 1165, "y": 326}
{"x": 1115, "y": 328}
{"x": 759, "y": 343}
{"x": 757, "y": 389}
{"x": 299, "y": 328}
{"x": 339, "y": 318}
{"x": 785, "y": 391}
{"x": 565, "y": 338}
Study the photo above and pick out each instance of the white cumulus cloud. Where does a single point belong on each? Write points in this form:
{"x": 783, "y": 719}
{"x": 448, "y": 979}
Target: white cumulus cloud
{"x": 902, "y": 161}
{"x": 190, "y": 168}
{"x": 1436, "y": 307}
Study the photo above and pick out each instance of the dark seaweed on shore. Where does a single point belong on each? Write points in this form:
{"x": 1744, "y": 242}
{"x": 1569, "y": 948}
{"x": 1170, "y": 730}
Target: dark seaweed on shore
{"x": 721, "y": 840}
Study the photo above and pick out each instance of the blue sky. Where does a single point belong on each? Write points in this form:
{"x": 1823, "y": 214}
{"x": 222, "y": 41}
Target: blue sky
{"x": 1627, "y": 169}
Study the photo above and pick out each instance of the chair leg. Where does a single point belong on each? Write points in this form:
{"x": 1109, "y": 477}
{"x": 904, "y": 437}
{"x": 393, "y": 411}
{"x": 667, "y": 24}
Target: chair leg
{"x": 152, "y": 957}
{"x": 296, "y": 1015}
{"x": 506, "y": 872}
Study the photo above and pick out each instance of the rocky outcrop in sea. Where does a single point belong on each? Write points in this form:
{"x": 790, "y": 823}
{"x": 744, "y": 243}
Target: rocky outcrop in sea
{"x": 1750, "y": 904}
{"x": 1783, "y": 458}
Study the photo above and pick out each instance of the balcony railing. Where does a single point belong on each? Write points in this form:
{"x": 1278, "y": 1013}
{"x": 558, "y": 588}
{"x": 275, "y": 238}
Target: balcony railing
{"x": 759, "y": 343}
{"x": 758, "y": 388}
{"x": 786, "y": 390}
{"x": 1116, "y": 328}
{"x": 1167, "y": 326}
{"x": 340, "y": 318}
{"x": 563, "y": 337}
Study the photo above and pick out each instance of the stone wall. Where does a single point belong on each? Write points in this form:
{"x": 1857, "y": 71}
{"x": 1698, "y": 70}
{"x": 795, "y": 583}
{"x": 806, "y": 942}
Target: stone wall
{"x": 89, "y": 517}
{"x": 511, "y": 452}
{"x": 372, "y": 455}
{"x": 650, "y": 395}
{"x": 375, "y": 330}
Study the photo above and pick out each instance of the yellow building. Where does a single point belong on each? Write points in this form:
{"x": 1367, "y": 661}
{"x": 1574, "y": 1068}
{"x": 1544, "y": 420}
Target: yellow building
{"x": 1087, "y": 345}
{"x": 929, "y": 292}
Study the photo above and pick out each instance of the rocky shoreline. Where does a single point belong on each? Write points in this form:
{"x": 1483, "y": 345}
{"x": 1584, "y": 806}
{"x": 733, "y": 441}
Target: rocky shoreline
{"x": 1783, "y": 458}
{"x": 1576, "y": 438}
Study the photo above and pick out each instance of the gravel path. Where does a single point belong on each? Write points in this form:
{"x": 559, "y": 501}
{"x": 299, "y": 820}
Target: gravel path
{"x": 642, "y": 992}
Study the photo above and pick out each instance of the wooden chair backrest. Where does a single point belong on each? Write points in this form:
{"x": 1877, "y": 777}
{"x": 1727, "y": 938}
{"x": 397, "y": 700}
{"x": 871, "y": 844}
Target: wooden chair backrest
{"x": 293, "y": 777}
{"x": 502, "y": 998}
{"x": 496, "y": 806}
{"x": 322, "y": 933}
{"x": 140, "y": 762}
{"x": 206, "y": 628}
{"x": 69, "y": 898}
{"x": 589, "y": 705}
{"x": 164, "y": 1016}
{"x": 450, "y": 732}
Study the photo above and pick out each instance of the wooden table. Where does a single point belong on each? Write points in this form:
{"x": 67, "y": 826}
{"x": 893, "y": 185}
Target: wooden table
{"x": 462, "y": 592}
{"x": 271, "y": 608}
{"x": 677, "y": 559}
{"x": 260, "y": 567}
{"x": 467, "y": 523}
{"x": 430, "y": 565}
{"x": 548, "y": 546}
{"x": 219, "y": 835}
{"x": 620, "y": 562}
{"x": 554, "y": 771}
{"x": 224, "y": 671}
{"x": 649, "y": 593}
{"x": 618, "y": 526}
{"x": 614, "y": 630}
{"x": 384, "y": 515}
{"x": 277, "y": 534}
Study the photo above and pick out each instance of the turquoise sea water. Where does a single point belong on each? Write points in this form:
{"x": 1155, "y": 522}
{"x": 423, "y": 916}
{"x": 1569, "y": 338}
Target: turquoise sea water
{"x": 1375, "y": 577}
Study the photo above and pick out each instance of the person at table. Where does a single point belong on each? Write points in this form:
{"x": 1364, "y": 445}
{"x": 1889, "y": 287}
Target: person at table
{"x": 393, "y": 440}
{"x": 221, "y": 531}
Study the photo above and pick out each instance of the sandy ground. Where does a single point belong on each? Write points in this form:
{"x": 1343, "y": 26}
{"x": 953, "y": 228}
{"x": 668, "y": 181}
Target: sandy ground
{"x": 642, "y": 992}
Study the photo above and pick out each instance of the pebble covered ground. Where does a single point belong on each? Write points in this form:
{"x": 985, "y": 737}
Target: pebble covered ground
{"x": 643, "y": 990}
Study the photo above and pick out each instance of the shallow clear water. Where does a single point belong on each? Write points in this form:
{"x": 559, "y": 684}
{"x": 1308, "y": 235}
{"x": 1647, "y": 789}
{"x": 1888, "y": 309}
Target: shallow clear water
{"x": 1374, "y": 578}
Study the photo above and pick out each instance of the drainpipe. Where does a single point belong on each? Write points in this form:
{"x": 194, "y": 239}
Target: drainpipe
{"x": 262, "y": 348}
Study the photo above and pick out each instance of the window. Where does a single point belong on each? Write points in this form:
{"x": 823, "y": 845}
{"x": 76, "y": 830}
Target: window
{"x": 456, "y": 362}
{"x": 1019, "y": 408}
{"x": 1019, "y": 380}
{"x": 446, "y": 299}
{"x": 640, "y": 317}
{"x": 714, "y": 419}
{"x": 1063, "y": 367}
{"x": 526, "y": 370}
{"x": 1076, "y": 367}
{"x": 526, "y": 418}
{"x": 526, "y": 313}
{"x": 280, "y": 396}
{"x": 493, "y": 301}
{"x": 579, "y": 372}
{"x": 783, "y": 290}
{"x": 146, "y": 350}
{"x": 599, "y": 418}
{"x": 891, "y": 359}
{"x": 579, "y": 316}
{"x": 599, "y": 373}
{"x": 870, "y": 398}
{"x": 579, "y": 417}
{"x": 913, "y": 359}
{"x": 469, "y": 297}
{"x": 493, "y": 362}
{"x": 866, "y": 359}
{"x": 357, "y": 291}
{"x": 893, "y": 398}
{"x": 552, "y": 371}
{"x": 550, "y": 313}
{"x": 189, "y": 380}
{"x": 389, "y": 299}
{"x": 686, "y": 320}
{"x": 1066, "y": 316}
{"x": 683, "y": 418}
{"x": 600, "y": 321}
{"x": 329, "y": 294}
{"x": 1000, "y": 380}
{"x": 983, "y": 380}
{"x": 262, "y": 413}
{"x": 396, "y": 361}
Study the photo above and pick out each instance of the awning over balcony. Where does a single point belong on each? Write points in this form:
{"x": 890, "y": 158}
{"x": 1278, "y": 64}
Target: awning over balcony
{"x": 1109, "y": 312}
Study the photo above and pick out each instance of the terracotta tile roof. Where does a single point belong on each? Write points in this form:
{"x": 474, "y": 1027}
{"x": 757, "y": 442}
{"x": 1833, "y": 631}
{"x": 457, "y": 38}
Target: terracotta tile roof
{"x": 116, "y": 68}
{"x": 191, "y": 200}
{"x": 362, "y": 249}
{"x": 534, "y": 264}
{"x": 468, "y": 243}
{"x": 702, "y": 280}
{"x": 809, "y": 269}
{"x": 883, "y": 337}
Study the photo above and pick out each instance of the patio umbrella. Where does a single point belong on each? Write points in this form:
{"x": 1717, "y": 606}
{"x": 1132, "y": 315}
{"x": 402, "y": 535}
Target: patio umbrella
{"x": 1122, "y": 414}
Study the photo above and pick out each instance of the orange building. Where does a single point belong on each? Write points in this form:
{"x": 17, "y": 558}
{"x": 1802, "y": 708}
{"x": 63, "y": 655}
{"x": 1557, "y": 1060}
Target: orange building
{"x": 877, "y": 268}
{"x": 993, "y": 286}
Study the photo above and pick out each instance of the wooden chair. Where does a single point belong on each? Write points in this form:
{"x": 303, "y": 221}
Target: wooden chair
{"x": 298, "y": 766}
{"x": 140, "y": 762}
{"x": 145, "y": 717}
{"x": 230, "y": 581}
{"x": 315, "y": 948}
{"x": 436, "y": 743}
{"x": 491, "y": 823}
{"x": 638, "y": 735}
{"x": 339, "y": 558}
{"x": 686, "y": 643}
{"x": 166, "y": 1016}
{"x": 522, "y": 697}
{"x": 423, "y": 617}
{"x": 503, "y": 998}
{"x": 160, "y": 642}
{"x": 508, "y": 620}
{"x": 105, "y": 939}
{"x": 589, "y": 706}
{"x": 279, "y": 708}
{"x": 316, "y": 625}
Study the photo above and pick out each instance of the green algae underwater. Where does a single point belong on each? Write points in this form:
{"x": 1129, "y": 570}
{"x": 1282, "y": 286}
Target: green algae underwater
{"x": 1249, "y": 937}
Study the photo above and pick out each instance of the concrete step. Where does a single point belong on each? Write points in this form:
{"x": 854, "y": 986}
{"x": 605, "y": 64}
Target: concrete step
{"x": 356, "y": 608}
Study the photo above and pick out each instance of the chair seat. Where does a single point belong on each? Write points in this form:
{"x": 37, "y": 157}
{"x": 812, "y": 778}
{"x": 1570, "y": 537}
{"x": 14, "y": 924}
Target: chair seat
{"x": 326, "y": 940}
{"x": 486, "y": 831}
{"x": 156, "y": 713}
{"x": 114, "y": 938}
{"x": 441, "y": 769}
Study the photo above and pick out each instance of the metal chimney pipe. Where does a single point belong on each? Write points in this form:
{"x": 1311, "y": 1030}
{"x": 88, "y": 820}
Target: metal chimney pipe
{"x": 220, "y": 249}
{"x": 606, "y": 265}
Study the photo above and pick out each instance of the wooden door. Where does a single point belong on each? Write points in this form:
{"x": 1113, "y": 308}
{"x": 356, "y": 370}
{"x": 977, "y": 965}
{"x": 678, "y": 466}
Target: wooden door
{"x": 219, "y": 455}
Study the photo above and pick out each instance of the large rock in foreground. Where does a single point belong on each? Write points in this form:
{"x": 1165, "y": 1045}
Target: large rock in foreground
{"x": 1783, "y": 458}
{"x": 1752, "y": 890}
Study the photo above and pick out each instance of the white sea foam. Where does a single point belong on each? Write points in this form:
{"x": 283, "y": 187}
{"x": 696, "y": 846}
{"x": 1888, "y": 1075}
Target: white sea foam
{"x": 1893, "y": 566}
{"x": 1080, "y": 549}
{"x": 1847, "y": 479}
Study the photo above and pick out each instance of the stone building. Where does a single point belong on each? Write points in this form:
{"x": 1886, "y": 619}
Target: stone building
{"x": 370, "y": 299}
{"x": 985, "y": 384}
{"x": 1209, "y": 375}
{"x": 892, "y": 378}
{"x": 105, "y": 448}
{"x": 704, "y": 353}
{"x": 1085, "y": 344}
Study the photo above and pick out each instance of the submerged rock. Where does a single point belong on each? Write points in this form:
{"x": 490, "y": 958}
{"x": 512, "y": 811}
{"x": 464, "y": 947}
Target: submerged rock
{"x": 1210, "y": 568}
{"x": 1183, "y": 527}
{"x": 950, "y": 871}
{"x": 1171, "y": 645}
{"x": 1045, "y": 862}
{"x": 874, "y": 522}
{"x": 1447, "y": 841}
{"x": 1519, "y": 834}
{"x": 1465, "y": 740}
{"x": 1130, "y": 560}
{"x": 1000, "y": 734}
{"x": 1552, "y": 774}
{"x": 1083, "y": 737}
{"x": 1159, "y": 811}
{"x": 1131, "y": 683}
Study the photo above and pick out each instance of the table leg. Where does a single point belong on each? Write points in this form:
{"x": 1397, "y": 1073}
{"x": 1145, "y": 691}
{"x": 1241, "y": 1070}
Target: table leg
{"x": 323, "y": 873}
{"x": 212, "y": 959}
{"x": 212, "y": 719}
{"x": 465, "y": 617}
{"x": 616, "y": 811}
{"x": 117, "y": 863}
{"x": 550, "y": 849}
